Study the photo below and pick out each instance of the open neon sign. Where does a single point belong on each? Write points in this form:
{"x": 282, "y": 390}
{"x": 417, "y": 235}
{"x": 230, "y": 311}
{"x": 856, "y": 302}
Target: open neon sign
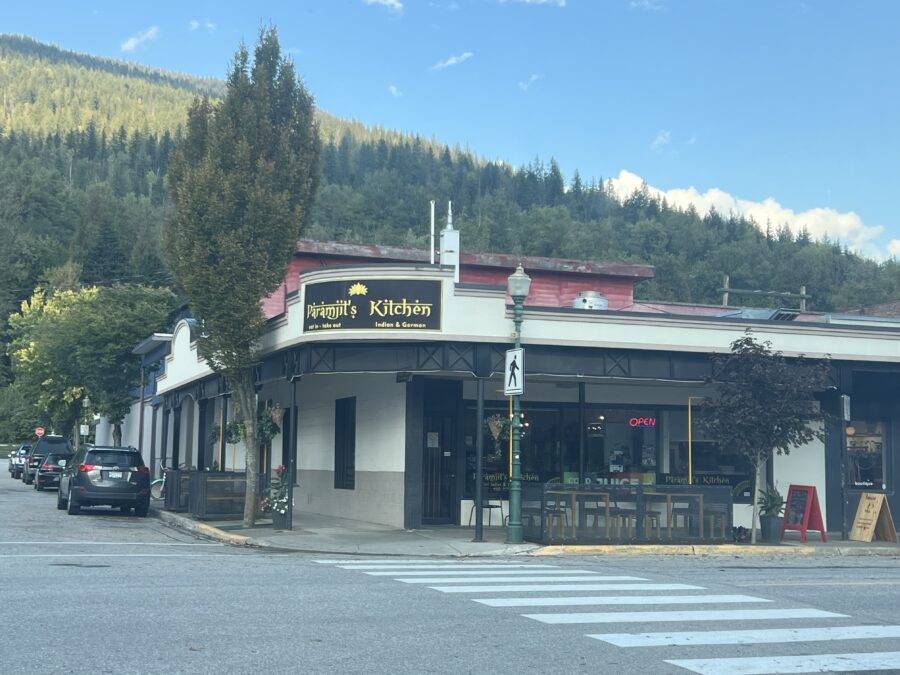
{"x": 642, "y": 422}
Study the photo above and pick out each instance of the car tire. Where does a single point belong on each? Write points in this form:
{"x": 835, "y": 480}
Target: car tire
{"x": 60, "y": 502}
{"x": 125, "y": 510}
{"x": 141, "y": 510}
{"x": 72, "y": 508}
{"x": 37, "y": 483}
{"x": 28, "y": 479}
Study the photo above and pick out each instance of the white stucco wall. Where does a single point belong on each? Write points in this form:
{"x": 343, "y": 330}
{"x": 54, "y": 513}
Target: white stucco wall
{"x": 380, "y": 447}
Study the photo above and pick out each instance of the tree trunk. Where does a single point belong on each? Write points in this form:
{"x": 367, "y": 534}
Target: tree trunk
{"x": 117, "y": 435}
{"x": 756, "y": 480}
{"x": 246, "y": 395}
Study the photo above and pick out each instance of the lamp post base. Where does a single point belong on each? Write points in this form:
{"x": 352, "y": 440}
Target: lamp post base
{"x": 515, "y": 534}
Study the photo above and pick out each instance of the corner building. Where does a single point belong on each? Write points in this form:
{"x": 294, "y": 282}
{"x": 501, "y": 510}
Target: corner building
{"x": 373, "y": 355}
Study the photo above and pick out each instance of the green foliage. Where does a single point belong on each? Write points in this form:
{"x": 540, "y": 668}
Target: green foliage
{"x": 770, "y": 501}
{"x": 69, "y": 344}
{"x": 764, "y": 403}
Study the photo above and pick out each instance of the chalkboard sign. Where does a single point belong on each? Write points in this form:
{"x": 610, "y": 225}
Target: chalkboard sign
{"x": 795, "y": 511}
{"x": 802, "y": 511}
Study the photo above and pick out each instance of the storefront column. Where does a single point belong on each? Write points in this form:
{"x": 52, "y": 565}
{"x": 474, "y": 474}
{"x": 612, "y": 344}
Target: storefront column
{"x": 412, "y": 476}
{"x": 581, "y": 432}
{"x": 479, "y": 460}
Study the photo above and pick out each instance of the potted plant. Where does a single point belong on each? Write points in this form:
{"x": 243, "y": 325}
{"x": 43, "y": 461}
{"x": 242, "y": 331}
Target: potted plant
{"x": 771, "y": 506}
{"x": 276, "y": 498}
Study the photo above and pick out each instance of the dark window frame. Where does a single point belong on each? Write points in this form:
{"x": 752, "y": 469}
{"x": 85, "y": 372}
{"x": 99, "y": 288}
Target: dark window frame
{"x": 345, "y": 443}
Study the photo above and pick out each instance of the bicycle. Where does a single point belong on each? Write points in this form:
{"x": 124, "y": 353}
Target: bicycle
{"x": 158, "y": 486}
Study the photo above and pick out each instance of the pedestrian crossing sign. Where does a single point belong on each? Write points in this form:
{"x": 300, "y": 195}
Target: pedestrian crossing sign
{"x": 514, "y": 373}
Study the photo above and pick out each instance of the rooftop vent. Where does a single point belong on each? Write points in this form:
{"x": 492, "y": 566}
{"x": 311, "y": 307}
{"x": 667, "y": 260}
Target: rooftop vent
{"x": 782, "y": 314}
{"x": 590, "y": 300}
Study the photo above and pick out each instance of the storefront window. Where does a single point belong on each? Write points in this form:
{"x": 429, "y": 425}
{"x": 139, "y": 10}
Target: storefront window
{"x": 865, "y": 454}
{"x": 710, "y": 463}
{"x": 622, "y": 446}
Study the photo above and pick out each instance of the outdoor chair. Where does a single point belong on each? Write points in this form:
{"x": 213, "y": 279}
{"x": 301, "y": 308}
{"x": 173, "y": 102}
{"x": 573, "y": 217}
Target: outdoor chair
{"x": 490, "y": 501}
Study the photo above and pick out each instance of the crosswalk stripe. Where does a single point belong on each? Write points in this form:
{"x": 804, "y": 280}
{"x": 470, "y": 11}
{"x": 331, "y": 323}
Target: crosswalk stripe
{"x": 399, "y": 561}
{"x": 817, "y": 663}
{"x": 530, "y": 588}
{"x": 685, "y": 615}
{"x": 620, "y": 600}
{"x": 441, "y": 566}
{"x": 746, "y": 637}
{"x": 476, "y": 572}
{"x": 493, "y": 580}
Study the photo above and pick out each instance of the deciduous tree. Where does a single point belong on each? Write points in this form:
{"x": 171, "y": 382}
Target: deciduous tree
{"x": 242, "y": 182}
{"x": 764, "y": 404}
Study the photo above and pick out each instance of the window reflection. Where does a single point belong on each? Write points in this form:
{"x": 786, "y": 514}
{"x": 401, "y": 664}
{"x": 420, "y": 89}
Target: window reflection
{"x": 865, "y": 454}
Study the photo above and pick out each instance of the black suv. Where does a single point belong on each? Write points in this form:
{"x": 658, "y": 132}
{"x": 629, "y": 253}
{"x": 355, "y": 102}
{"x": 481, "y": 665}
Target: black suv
{"x": 44, "y": 446}
{"x": 114, "y": 476}
{"x": 47, "y": 475}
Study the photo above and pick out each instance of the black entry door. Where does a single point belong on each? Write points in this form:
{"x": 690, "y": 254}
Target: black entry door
{"x": 438, "y": 475}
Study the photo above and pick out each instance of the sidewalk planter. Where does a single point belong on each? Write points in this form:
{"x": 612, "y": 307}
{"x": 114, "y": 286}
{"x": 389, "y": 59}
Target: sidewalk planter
{"x": 177, "y": 490}
{"x": 770, "y": 528}
{"x": 219, "y": 494}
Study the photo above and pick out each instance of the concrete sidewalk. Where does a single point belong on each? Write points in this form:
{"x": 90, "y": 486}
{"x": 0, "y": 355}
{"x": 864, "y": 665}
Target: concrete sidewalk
{"x": 323, "y": 534}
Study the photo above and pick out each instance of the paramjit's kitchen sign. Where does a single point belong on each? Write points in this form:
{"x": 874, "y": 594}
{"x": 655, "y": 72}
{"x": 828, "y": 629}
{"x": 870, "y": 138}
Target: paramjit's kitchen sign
{"x": 380, "y": 304}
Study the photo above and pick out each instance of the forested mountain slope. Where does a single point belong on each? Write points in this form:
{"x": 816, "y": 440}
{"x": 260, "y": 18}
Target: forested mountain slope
{"x": 84, "y": 147}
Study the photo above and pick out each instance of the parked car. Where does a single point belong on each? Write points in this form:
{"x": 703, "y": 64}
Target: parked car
{"x": 44, "y": 446}
{"x": 47, "y": 475}
{"x": 17, "y": 460}
{"x": 106, "y": 475}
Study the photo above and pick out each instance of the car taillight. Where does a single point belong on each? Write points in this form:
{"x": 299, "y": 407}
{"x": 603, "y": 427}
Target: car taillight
{"x": 142, "y": 469}
{"x": 34, "y": 462}
{"x": 84, "y": 468}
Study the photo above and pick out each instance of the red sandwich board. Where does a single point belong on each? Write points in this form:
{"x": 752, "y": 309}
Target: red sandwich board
{"x": 802, "y": 512}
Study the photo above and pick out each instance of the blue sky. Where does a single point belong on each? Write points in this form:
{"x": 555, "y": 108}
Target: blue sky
{"x": 785, "y": 110}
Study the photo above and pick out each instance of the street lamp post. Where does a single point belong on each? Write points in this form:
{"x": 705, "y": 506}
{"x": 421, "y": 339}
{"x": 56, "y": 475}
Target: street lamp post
{"x": 85, "y": 405}
{"x": 518, "y": 285}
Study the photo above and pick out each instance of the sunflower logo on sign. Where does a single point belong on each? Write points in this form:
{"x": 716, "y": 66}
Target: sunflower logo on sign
{"x": 358, "y": 289}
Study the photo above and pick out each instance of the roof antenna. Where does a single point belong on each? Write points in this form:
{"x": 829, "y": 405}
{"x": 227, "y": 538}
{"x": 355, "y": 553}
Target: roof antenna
{"x": 432, "y": 232}
{"x": 450, "y": 244}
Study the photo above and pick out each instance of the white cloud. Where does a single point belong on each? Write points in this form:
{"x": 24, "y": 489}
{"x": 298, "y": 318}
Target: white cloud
{"x": 393, "y": 5}
{"x": 394, "y": 91}
{"x": 452, "y": 61}
{"x": 557, "y": 3}
{"x": 137, "y": 40}
{"x": 820, "y": 222}
{"x": 206, "y": 23}
{"x": 646, "y": 5}
{"x": 663, "y": 138}
{"x": 524, "y": 86}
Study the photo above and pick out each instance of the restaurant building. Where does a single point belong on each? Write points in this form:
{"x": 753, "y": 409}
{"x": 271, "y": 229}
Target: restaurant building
{"x": 376, "y": 360}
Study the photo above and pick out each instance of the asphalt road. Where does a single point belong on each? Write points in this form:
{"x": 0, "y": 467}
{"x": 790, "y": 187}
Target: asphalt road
{"x": 103, "y": 593}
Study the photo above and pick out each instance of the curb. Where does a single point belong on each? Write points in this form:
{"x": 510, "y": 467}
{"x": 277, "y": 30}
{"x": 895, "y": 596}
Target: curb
{"x": 732, "y": 550}
{"x": 208, "y": 531}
